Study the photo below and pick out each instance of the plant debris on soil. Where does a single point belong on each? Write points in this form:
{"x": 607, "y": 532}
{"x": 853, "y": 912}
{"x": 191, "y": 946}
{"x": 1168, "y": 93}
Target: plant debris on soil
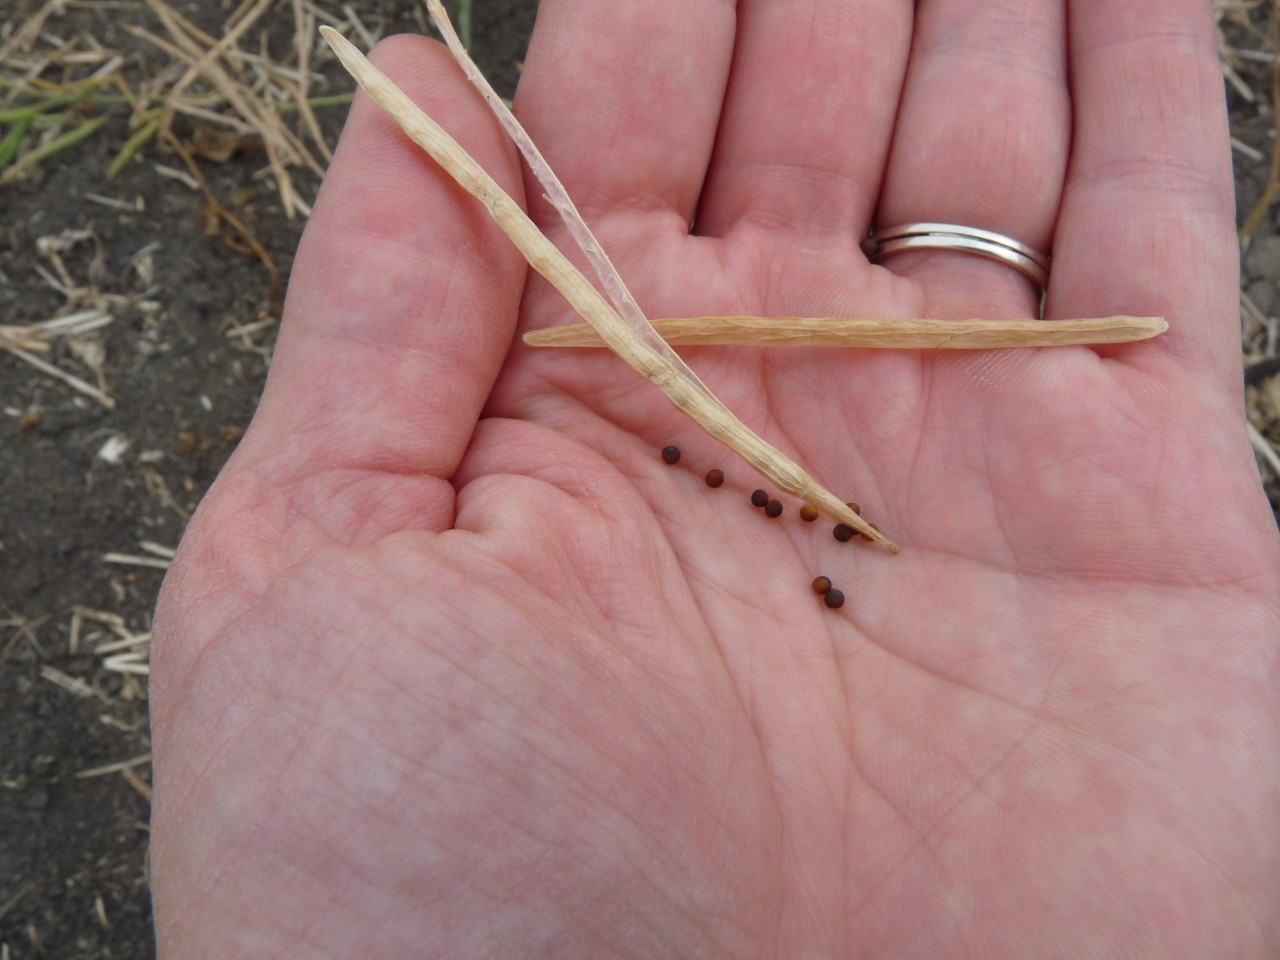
{"x": 158, "y": 160}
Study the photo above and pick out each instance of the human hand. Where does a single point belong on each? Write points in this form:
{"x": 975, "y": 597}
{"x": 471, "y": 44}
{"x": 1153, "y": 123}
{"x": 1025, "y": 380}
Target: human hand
{"x": 450, "y": 664}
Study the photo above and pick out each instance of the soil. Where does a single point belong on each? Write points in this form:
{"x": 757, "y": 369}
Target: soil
{"x": 73, "y": 847}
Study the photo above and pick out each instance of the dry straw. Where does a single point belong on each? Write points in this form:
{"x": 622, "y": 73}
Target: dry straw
{"x": 869, "y": 332}
{"x": 621, "y": 326}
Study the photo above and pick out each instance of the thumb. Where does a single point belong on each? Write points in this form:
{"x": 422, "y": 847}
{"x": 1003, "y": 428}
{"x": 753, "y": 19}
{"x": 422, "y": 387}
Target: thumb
{"x": 401, "y": 307}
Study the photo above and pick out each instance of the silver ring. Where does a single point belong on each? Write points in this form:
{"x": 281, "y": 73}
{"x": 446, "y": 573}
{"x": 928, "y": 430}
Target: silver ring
{"x": 1029, "y": 262}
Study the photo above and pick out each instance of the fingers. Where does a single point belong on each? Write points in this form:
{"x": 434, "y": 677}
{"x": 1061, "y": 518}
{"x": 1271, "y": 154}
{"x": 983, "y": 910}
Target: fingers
{"x": 808, "y": 117}
{"x": 982, "y": 141}
{"x": 401, "y": 305}
{"x": 623, "y": 99}
{"x": 1147, "y": 223}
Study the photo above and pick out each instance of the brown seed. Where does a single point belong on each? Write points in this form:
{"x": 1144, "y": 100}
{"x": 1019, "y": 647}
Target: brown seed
{"x": 833, "y": 598}
{"x": 808, "y": 513}
{"x": 773, "y": 508}
{"x": 854, "y": 507}
{"x": 715, "y": 478}
{"x": 759, "y": 498}
{"x": 843, "y": 532}
{"x": 671, "y": 455}
{"x": 821, "y": 584}
{"x": 864, "y": 536}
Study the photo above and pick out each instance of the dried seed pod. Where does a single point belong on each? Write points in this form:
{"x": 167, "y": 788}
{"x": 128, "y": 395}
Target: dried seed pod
{"x": 671, "y": 455}
{"x": 808, "y": 513}
{"x": 759, "y": 498}
{"x": 833, "y": 598}
{"x": 843, "y": 532}
{"x": 897, "y": 334}
{"x": 715, "y": 478}
{"x": 821, "y": 584}
{"x": 620, "y": 324}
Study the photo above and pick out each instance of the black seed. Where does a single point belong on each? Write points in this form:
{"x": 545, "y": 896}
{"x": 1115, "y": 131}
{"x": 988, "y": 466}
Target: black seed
{"x": 773, "y": 509}
{"x": 715, "y": 478}
{"x": 821, "y": 584}
{"x": 759, "y": 498}
{"x": 671, "y": 455}
{"x": 808, "y": 513}
{"x": 843, "y": 532}
{"x": 833, "y": 598}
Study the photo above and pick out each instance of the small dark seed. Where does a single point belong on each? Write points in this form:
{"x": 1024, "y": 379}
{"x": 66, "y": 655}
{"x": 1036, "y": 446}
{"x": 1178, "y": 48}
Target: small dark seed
{"x": 833, "y": 598}
{"x": 715, "y": 478}
{"x": 843, "y": 532}
{"x": 821, "y": 584}
{"x": 671, "y": 455}
{"x": 855, "y": 508}
{"x": 865, "y": 537}
{"x": 759, "y": 498}
{"x": 808, "y": 513}
{"x": 773, "y": 509}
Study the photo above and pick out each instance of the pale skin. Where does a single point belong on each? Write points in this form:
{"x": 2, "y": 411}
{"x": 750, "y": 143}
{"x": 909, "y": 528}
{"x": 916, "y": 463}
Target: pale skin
{"x": 451, "y": 664}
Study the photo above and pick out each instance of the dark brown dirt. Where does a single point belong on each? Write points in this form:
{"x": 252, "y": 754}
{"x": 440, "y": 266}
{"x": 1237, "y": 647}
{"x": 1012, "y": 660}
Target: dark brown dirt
{"x": 72, "y": 849}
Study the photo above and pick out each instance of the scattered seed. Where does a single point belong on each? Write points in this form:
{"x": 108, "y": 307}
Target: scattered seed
{"x": 671, "y": 455}
{"x": 808, "y": 513}
{"x": 864, "y": 536}
{"x": 843, "y": 532}
{"x": 759, "y": 498}
{"x": 854, "y": 507}
{"x": 773, "y": 508}
{"x": 833, "y": 598}
{"x": 821, "y": 584}
{"x": 715, "y": 478}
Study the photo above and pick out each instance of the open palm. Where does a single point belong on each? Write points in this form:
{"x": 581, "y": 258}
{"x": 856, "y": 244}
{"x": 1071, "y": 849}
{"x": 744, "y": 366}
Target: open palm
{"x": 451, "y": 664}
